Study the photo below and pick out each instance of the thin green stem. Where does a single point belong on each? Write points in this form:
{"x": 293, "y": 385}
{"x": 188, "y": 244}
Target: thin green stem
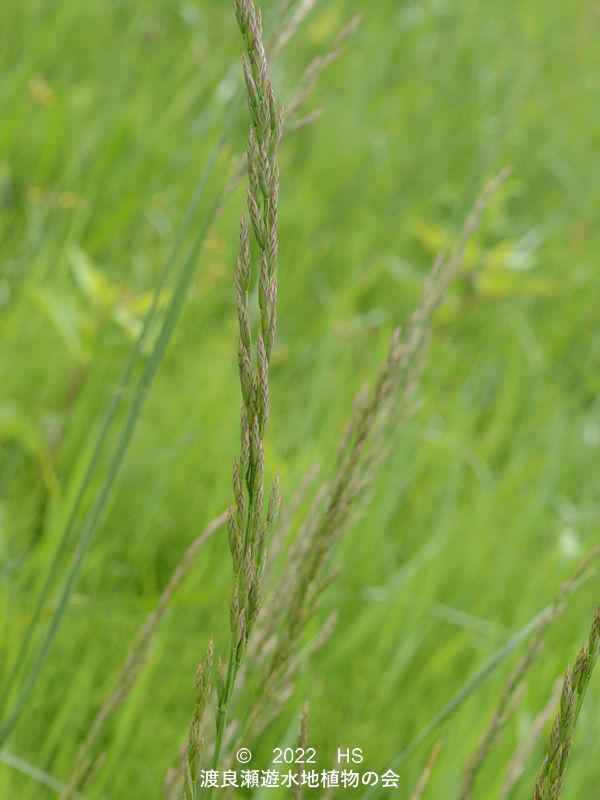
{"x": 232, "y": 666}
{"x": 224, "y": 708}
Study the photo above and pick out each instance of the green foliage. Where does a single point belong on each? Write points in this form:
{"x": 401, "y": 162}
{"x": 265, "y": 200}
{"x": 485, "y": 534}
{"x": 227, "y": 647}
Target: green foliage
{"x": 489, "y": 497}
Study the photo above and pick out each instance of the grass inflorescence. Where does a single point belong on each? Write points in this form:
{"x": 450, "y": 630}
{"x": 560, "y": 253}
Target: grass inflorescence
{"x": 248, "y": 525}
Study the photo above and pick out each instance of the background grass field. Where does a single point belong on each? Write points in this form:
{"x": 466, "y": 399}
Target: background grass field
{"x": 491, "y": 495}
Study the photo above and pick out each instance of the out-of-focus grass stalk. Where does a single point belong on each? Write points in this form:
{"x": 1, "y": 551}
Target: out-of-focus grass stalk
{"x": 516, "y": 766}
{"x": 470, "y": 686}
{"x": 302, "y": 744}
{"x": 506, "y": 703}
{"x": 135, "y": 660}
{"x": 549, "y": 781}
{"x": 465, "y": 691}
{"x": 427, "y": 770}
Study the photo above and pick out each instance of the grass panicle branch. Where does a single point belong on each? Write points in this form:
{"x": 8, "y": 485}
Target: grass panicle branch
{"x": 289, "y": 23}
{"x": 549, "y": 781}
{"x": 310, "y": 76}
{"x": 120, "y": 448}
{"x": 71, "y": 319}
{"x": 296, "y": 596}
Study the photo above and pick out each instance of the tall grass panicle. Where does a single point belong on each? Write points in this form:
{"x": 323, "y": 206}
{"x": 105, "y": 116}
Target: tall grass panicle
{"x": 549, "y": 782}
{"x": 88, "y": 755}
{"x": 248, "y": 526}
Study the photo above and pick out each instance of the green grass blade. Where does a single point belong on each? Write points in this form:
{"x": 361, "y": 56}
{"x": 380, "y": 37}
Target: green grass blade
{"x": 35, "y": 773}
{"x": 113, "y": 407}
{"x": 93, "y": 518}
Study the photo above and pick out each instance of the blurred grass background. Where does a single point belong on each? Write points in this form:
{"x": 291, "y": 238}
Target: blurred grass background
{"x": 109, "y": 111}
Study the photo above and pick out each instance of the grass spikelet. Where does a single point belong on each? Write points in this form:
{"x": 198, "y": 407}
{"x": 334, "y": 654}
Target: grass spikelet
{"x": 196, "y": 740}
